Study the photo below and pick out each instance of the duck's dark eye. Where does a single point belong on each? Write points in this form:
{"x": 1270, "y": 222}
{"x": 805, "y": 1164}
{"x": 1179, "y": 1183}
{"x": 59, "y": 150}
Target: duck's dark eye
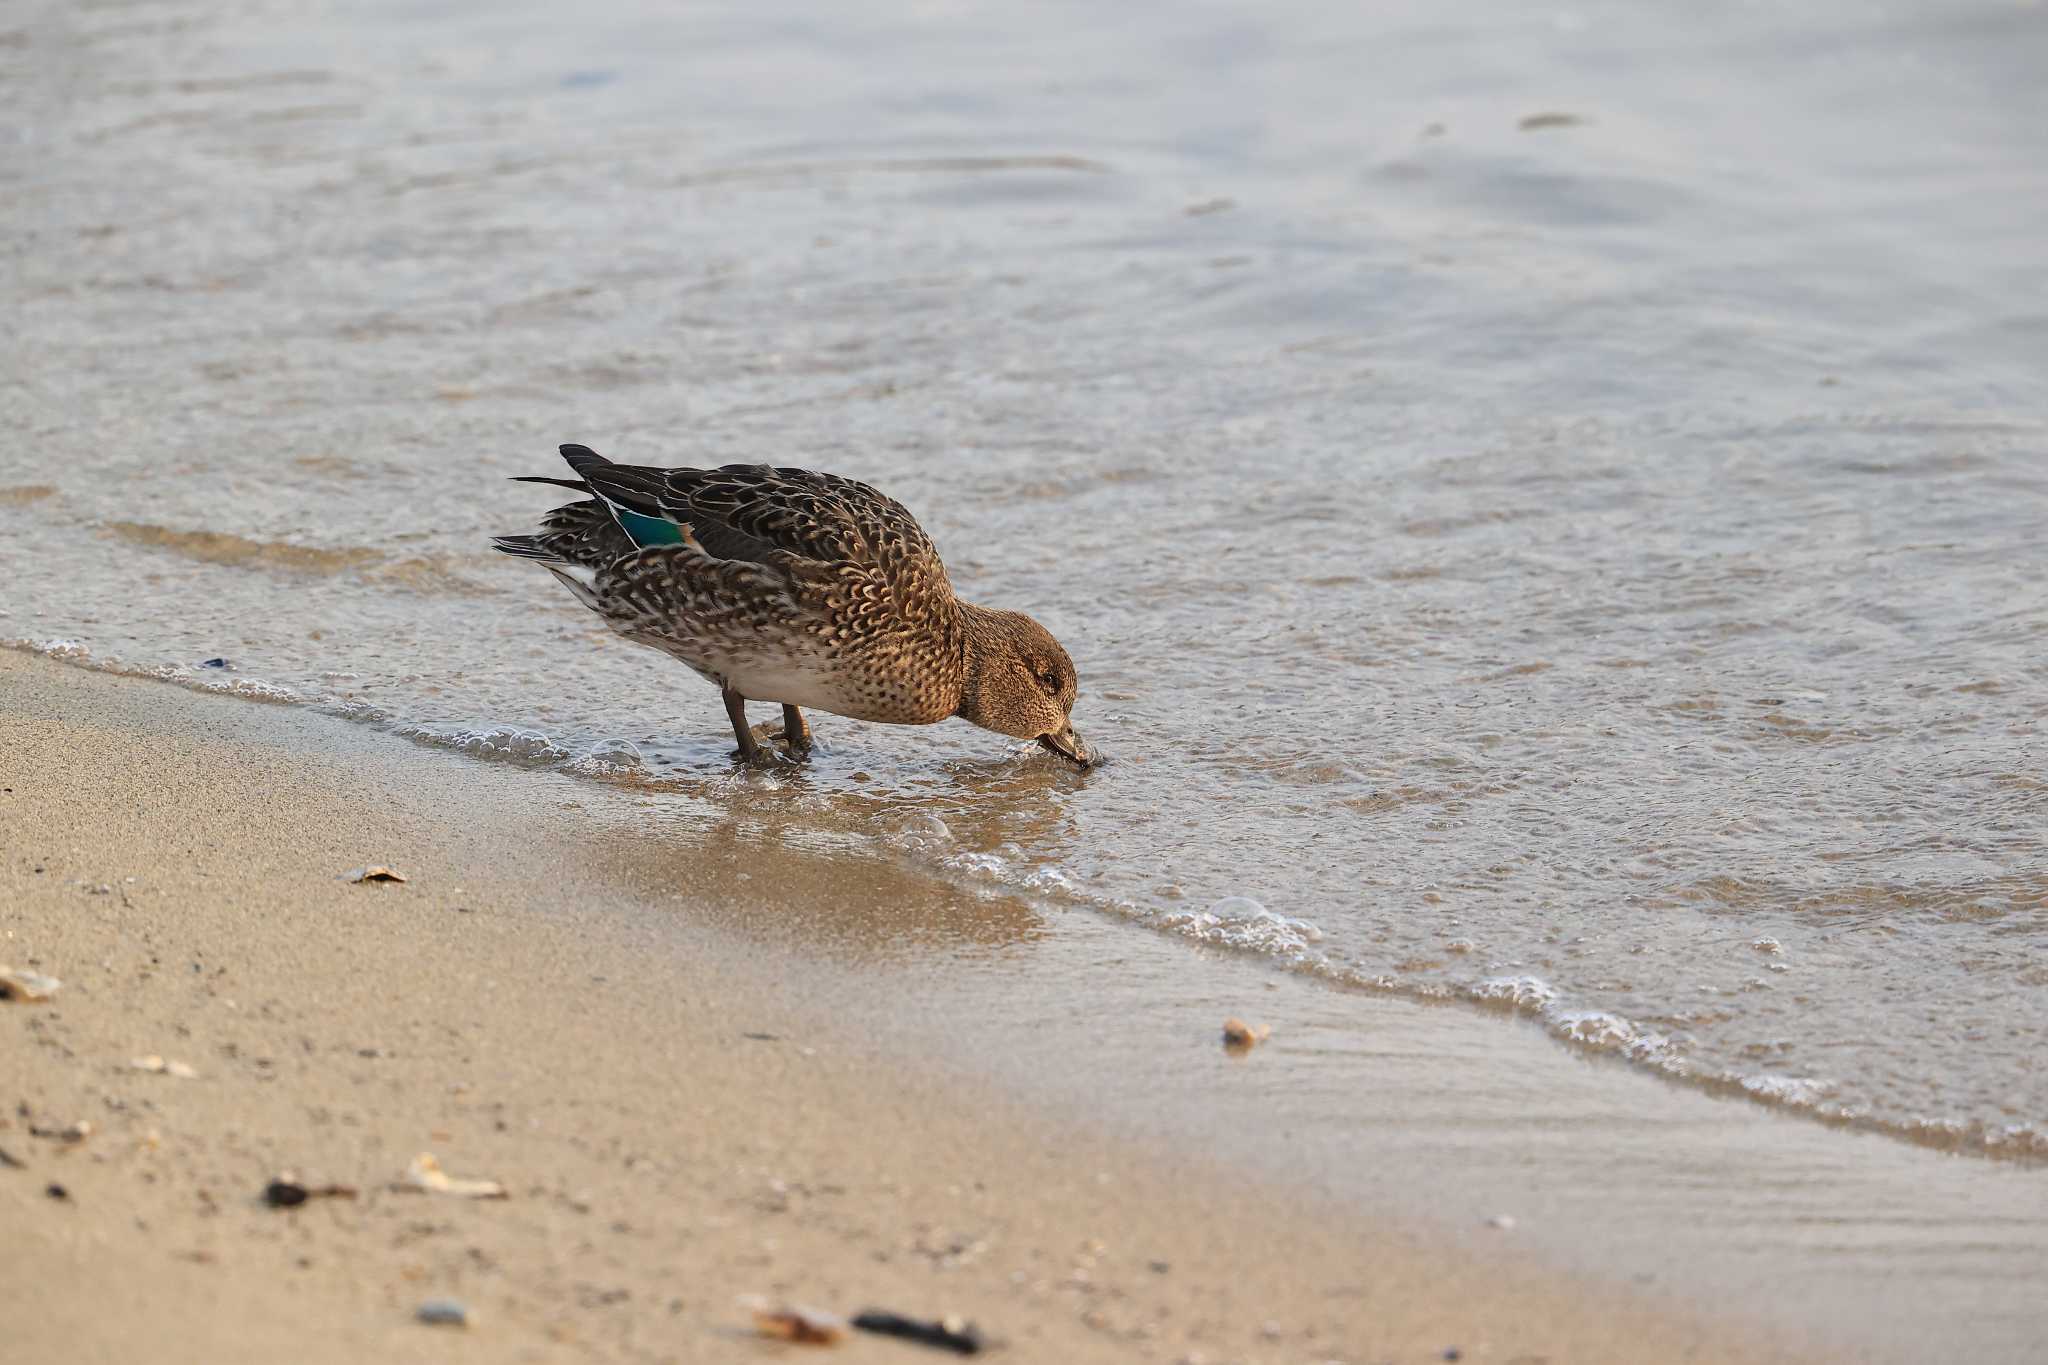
{"x": 1049, "y": 680}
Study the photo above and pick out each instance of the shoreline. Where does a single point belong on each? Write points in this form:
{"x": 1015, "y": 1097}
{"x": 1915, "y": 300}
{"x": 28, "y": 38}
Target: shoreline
{"x": 710, "y": 1061}
{"x": 1971, "y": 1141}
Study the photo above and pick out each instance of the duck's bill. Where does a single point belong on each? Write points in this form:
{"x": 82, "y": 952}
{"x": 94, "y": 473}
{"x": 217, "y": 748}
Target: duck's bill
{"x": 1068, "y": 745}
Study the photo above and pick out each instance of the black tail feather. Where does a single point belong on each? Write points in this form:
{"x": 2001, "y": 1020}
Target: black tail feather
{"x": 582, "y": 458}
{"x": 576, "y": 484}
{"x": 526, "y": 547}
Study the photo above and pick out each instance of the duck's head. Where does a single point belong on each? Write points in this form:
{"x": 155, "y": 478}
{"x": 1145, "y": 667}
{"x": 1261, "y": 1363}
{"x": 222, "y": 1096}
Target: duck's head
{"x": 1020, "y": 682}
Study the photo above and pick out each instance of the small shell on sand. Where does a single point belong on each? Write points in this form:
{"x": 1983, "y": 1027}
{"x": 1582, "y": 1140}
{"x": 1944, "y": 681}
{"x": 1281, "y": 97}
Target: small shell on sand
{"x": 443, "y": 1313}
{"x": 376, "y": 872}
{"x": 20, "y": 984}
{"x": 163, "y": 1068}
{"x": 809, "y": 1326}
{"x": 425, "y": 1173}
{"x": 1238, "y": 1036}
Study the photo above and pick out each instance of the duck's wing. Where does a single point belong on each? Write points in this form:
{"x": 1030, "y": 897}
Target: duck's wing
{"x": 760, "y": 513}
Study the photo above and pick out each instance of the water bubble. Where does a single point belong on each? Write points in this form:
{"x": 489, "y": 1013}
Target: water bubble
{"x": 611, "y": 756}
{"x": 1523, "y": 992}
{"x": 917, "y": 831}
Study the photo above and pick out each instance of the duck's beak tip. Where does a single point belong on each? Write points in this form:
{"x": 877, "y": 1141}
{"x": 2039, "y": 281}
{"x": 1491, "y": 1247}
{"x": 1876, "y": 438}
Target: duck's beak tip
{"x": 1068, "y": 745}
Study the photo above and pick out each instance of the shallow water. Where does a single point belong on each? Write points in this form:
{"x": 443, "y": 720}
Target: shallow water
{"x": 1588, "y": 565}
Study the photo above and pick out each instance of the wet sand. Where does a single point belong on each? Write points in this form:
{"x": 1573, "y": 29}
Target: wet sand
{"x": 678, "y": 1112}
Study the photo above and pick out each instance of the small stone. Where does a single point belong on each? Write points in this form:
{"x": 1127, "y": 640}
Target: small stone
{"x": 1504, "y": 1221}
{"x": 213, "y": 663}
{"x": 285, "y": 1193}
{"x": 443, "y": 1313}
{"x": 56, "y": 1191}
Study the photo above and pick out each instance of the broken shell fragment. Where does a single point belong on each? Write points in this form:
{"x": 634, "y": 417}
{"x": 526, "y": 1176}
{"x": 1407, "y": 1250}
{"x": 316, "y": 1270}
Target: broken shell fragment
{"x": 808, "y": 1326}
{"x": 21, "y": 984}
{"x": 425, "y": 1173}
{"x": 376, "y": 872}
{"x": 158, "y": 1065}
{"x": 1238, "y": 1036}
{"x": 443, "y": 1313}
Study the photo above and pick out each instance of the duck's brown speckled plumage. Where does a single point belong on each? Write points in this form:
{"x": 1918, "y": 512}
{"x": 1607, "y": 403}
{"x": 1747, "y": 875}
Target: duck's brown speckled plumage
{"x": 804, "y": 588}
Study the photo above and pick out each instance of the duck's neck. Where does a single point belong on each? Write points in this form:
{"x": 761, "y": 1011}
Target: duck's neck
{"x": 980, "y": 630}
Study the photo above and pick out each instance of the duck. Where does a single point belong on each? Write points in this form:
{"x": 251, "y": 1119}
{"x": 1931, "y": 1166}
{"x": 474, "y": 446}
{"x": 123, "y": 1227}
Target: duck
{"x": 805, "y": 589}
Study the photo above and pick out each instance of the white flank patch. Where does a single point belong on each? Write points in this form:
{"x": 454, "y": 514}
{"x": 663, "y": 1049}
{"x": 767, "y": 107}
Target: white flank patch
{"x": 785, "y": 680}
{"x": 577, "y": 579}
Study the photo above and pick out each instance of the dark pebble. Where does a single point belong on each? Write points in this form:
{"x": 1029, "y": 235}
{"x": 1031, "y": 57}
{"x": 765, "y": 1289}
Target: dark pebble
{"x": 284, "y": 1194}
{"x": 56, "y": 1191}
{"x": 213, "y": 663}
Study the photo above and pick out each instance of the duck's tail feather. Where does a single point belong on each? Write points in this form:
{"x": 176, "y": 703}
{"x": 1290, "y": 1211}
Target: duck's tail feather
{"x": 577, "y": 484}
{"x": 526, "y": 547}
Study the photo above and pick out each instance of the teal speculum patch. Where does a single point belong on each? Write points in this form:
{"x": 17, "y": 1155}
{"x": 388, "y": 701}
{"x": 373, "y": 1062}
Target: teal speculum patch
{"x": 646, "y": 530}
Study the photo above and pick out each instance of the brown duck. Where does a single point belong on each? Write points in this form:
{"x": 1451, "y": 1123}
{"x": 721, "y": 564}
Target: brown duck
{"x": 784, "y": 585}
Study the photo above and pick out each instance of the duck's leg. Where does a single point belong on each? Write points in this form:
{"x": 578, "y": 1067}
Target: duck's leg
{"x": 796, "y": 731}
{"x": 736, "y": 712}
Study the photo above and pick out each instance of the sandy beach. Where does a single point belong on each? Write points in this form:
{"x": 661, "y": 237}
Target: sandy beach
{"x": 676, "y": 1121}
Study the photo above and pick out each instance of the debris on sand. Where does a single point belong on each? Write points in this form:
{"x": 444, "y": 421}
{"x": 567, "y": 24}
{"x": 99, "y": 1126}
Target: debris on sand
{"x": 1240, "y": 1037}
{"x": 287, "y": 1191}
{"x": 807, "y": 1326}
{"x": 1536, "y": 122}
{"x": 161, "y": 1067}
{"x": 376, "y": 872}
{"x": 443, "y": 1313}
{"x": 71, "y": 1133}
{"x": 425, "y": 1173}
{"x": 957, "y": 1335}
{"x": 20, "y": 984}
{"x": 11, "y": 1161}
